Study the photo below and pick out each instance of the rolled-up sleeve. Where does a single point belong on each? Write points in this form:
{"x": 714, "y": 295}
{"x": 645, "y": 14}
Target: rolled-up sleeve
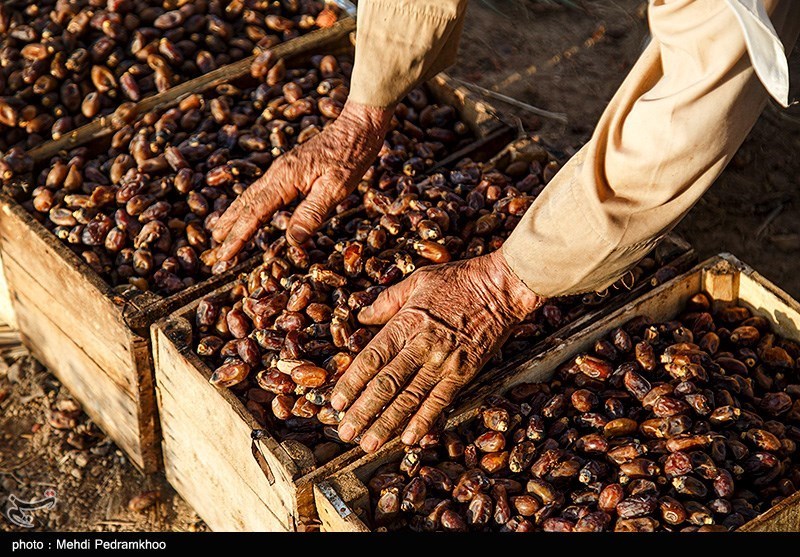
{"x": 676, "y": 121}
{"x": 400, "y": 43}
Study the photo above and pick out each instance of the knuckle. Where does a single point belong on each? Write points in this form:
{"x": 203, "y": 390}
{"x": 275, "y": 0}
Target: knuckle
{"x": 408, "y": 400}
{"x": 371, "y": 359}
{"x": 385, "y": 385}
{"x": 356, "y": 417}
{"x": 437, "y": 358}
{"x": 439, "y": 399}
{"x": 381, "y": 429}
{"x": 344, "y": 388}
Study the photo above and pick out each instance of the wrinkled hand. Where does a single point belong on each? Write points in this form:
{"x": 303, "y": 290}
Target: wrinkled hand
{"x": 325, "y": 170}
{"x": 444, "y": 323}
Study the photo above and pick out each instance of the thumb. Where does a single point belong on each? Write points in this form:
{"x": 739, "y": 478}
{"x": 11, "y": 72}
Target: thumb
{"x": 388, "y": 302}
{"x": 311, "y": 213}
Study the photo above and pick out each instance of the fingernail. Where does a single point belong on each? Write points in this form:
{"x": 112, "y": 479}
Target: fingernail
{"x": 338, "y": 402}
{"x": 369, "y": 443}
{"x": 409, "y": 438}
{"x": 297, "y": 234}
{"x": 346, "y": 432}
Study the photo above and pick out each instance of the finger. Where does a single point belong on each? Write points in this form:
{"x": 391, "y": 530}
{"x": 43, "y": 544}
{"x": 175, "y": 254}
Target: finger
{"x": 367, "y": 363}
{"x": 388, "y": 302}
{"x": 226, "y": 221}
{"x": 379, "y": 392}
{"x": 311, "y": 213}
{"x": 399, "y": 410}
{"x": 253, "y": 207}
{"x": 231, "y": 216}
{"x": 439, "y": 398}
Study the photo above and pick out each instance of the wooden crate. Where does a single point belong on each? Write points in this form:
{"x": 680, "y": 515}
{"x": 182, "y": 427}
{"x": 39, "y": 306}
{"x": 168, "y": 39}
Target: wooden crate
{"x": 234, "y": 482}
{"x": 343, "y": 501}
{"x": 320, "y": 41}
{"x": 201, "y": 424}
{"x": 95, "y": 339}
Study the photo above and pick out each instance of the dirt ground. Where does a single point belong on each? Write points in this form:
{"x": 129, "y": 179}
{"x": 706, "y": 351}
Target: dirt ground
{"x": 561, "y": 60}
{"x": 47, "y": 443}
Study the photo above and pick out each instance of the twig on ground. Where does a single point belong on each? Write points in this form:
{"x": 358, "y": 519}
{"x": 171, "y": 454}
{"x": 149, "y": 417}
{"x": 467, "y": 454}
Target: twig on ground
{"x": 558, "y": 116}
{"x": 116, "y": 522}
{"x": 771, "y": 217}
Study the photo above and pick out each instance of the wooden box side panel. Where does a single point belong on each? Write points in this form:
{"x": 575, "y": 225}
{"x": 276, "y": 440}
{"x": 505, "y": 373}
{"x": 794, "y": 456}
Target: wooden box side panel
{"x": 111, "y": 356}
{"x": 38, "y": 265}
{"x": 335, "y": 514}
{"x": 766, "y": 299}
{"x": 212, "y": 414}
{"x": 113, "y": 408}
{"x": 208, "y": 482}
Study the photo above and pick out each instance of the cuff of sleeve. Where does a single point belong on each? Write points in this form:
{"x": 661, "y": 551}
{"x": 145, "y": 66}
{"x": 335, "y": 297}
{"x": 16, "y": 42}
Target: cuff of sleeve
{"x": 557, "y": 251}
{"x": 399, "y": 43}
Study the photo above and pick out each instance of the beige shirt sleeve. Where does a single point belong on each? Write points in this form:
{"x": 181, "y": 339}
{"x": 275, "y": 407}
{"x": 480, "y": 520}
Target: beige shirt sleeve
{"x": 676, "y": 121}
{"x": 400, "y": 43}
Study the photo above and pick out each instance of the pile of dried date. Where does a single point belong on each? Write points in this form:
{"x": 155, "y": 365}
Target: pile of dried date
{"x": 284, "y": 334}
{"x": 687, "y": 425}
{"x": 141, "y": 212}
{"x": 64, "y": 62}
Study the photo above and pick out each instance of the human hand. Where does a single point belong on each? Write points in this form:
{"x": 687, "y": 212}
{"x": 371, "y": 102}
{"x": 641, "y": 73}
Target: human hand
{"x": 444, "y": 323}
{"x": 325, "y": 170}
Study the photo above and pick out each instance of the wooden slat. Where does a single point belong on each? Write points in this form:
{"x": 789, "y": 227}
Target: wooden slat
{"x": 767, "y": 299}
{"x": 229, "y": 424}
{"x": 723, "y": 277}
{"x": 77, "y": 298}
{"x": 114, "y": 362}
{"x": 334, "y": 514}
{"x": 111, "y": 407}
{"x": 783, "y": 517}
{"x": 212, "y": 412}
{"x": 481, "y": 117}
{"x": 207, "y": 481}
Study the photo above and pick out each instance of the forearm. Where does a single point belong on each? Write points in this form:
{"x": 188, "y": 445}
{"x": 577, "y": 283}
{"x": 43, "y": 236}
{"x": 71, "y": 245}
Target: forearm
{"x": 667, "y": 134}
{"x": 400, "y": 43}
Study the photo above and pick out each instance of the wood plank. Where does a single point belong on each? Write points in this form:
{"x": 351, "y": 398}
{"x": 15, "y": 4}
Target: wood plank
{"x": 112, "y": 408}
{"x": 481, "y": 117}
{"x": 83, "y": 301}
{"x": 118, "y": 368}
{"x": 768, "y": 300}
{"x": 207, "y": 481}
{"x": 180, "y": 370}
{"x": 6, "y": 308}
{"x": 164, "y": 306}
{"x": 334, "y": 514}
{"x": 229, "y": 426}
